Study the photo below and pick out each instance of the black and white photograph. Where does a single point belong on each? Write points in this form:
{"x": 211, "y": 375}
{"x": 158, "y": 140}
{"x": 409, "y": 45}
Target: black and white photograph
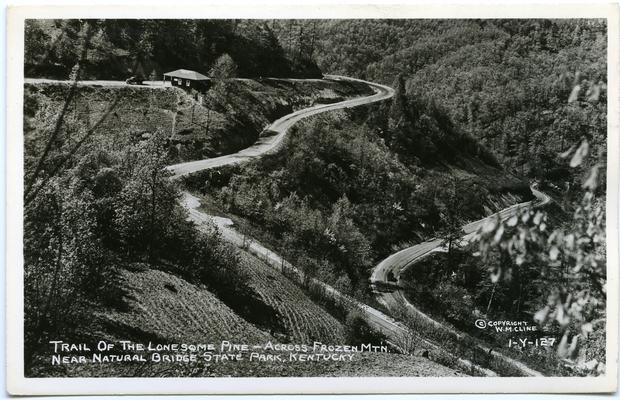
{"x": 315, "y": 197}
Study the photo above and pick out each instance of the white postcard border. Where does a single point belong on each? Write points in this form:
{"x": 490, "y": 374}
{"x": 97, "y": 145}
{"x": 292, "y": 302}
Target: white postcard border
{"x": 18, "y": 384}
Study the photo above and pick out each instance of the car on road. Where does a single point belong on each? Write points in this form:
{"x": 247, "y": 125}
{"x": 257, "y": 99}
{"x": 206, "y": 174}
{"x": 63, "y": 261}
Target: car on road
{"x": 134, "y": 80}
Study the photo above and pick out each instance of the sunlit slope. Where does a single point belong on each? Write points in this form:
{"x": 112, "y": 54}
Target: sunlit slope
{"x": 302, "y": 320}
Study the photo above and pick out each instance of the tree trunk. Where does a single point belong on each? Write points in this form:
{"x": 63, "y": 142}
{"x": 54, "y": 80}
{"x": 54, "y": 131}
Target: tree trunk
{"x": 312, "y": 42}
{"x": 491, "y": 299}
{"x": 152, "y": 216}
{"x": 300, "y": 41}
{"x": 520, "y": 297}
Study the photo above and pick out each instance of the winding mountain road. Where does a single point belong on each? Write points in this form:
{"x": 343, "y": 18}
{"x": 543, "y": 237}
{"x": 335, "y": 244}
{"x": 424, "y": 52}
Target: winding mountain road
{"x": 394, "y": 264}
{"x": 269, "y": 144}
{"x": 397, "y": 333}
{"x": 385, "y": 278}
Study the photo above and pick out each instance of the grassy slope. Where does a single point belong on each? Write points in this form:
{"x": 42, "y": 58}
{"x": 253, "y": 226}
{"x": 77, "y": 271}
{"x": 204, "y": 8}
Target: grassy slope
{"x": 169, "y": 307}
{"x": 303, "y": 320}
{"x": 164, "y": 308}
{"x": 198, "y": 128}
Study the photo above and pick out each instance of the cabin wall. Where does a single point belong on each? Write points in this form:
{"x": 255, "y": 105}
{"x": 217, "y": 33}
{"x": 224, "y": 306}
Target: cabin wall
{"x": 187, "y": 83}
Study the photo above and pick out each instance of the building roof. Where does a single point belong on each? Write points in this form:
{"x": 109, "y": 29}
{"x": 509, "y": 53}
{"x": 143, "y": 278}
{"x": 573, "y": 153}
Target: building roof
{"x": 187, "y": 74}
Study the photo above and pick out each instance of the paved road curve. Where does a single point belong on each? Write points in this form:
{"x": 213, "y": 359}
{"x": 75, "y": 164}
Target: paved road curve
{"x": 403, "y": 259}
{"x": 271, "y": 143}
{"x": 146, "y": 85}
{"x": 393, "y": 266}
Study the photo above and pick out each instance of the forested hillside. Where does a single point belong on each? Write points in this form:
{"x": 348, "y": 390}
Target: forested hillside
{"x": 533, "y": 92}
{"x": 505, "y": 82}
{"x": 345, "y": 193}
{"x": 116, "y": 49}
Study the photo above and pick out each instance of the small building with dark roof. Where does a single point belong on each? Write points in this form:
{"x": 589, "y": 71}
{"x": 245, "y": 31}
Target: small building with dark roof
{"x": 187, "y": 79}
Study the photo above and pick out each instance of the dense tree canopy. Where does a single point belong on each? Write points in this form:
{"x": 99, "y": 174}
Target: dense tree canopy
{"x": 116, "y": 49}
{"x": 504, "y": 82}
{"x": 339, "y": 199}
